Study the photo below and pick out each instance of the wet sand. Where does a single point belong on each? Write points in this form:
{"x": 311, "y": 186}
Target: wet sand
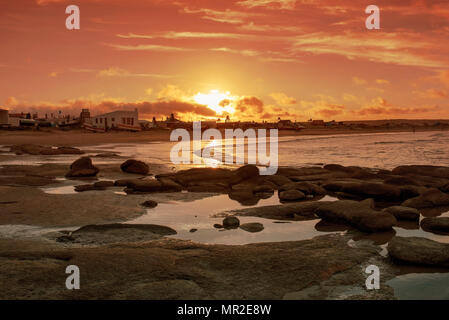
{"x": 81, "y": 137}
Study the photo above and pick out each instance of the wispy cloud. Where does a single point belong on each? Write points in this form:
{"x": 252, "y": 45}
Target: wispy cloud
{"x": 186, "y": 35}
{"x": 147, "y": 47}
{"x": 118, "y": 72}
{"x": 276, "y": 4}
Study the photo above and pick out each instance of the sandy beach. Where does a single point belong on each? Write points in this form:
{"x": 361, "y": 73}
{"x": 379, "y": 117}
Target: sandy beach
{"x": 81, "y": 137}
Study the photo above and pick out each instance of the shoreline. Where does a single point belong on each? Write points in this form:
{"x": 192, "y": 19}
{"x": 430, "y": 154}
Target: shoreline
{"x": 80, "y": 137}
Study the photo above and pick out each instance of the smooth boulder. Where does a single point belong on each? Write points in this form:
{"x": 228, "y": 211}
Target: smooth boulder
{"x": 135, "y": 166}
{"x": 403, "y": 213}
{"x": 428, "y": 199}
{"x": 231, "y": 222}
{"x": 436, "y": 224}
{"x": 82, "y": 167}
{"x": 421, "y": 251}
{"x": 291, "y": 195}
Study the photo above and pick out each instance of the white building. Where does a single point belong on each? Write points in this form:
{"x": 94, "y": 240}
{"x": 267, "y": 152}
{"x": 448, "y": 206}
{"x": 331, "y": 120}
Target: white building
{"x": 125, "y": 120}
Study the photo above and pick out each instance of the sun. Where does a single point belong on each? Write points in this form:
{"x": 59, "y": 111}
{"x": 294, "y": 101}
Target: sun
{"x": 217, "y": 101}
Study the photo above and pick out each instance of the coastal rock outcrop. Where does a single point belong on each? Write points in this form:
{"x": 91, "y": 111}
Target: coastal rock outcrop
{"x": 436, "y": 224}
{"x": 34, "y": 149}
{"x": 135, "y": 166}
{"x": 421, "y": 251}
{"x": 82, "y": 167}
{"x": 357, "y": 214}
{"x": 378, "y": 191}
{"x": 252, "y": 227}
{"x": 152, "y": 185}
{"x": 291, "y": 195}
{"x": 428, "y": 199}
{"x": 403, "y": 213}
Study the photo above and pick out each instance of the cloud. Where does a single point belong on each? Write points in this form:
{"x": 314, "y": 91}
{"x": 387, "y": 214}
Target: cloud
{"x": 186, "y": 35}
{"x": 250, "y": 105}
{"x": 274, "y": 4}
{"x": 359, "y": 81}
{"x": 390, "y": 48}
{"x": 382, "y": 81}
{"x": 246, "y": 53}
{"x": 118, "y": 72}
{"x": 444, "y": 77}
{"x": 282, "y": 99}
{"x": 147, "y": 47}
{"x": 330, "y": 110}
{"x": 382, "y": 107}
{"x": 432, "y": 94}
{"x": 225, "y": 16}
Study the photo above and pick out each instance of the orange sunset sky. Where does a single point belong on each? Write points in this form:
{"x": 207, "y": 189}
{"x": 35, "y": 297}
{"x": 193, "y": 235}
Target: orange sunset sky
{"x": 255, "y": 60}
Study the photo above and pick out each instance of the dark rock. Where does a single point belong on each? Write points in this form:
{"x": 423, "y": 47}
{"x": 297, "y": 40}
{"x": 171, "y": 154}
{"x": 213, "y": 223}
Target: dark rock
{"x": 161, "y": 230}
{"x": 304, "y": 187}
{"x": 402, "y": 181}
{"x": 244, "y": 173}
{"x": 135, "y": 166}
{"x": 265, "y": 188}
{"x": 193, "y": 230}
{"x": 106, "y": 155}
{"x": 149, "y": 204}
{"x": 428, "y": 199}
{"x": 403, "y": 213}
{"x": 218, "y": 226}
{"x": 231, "y": 222}
{"x": 378, "y": 191}
{"x": 42, "y": 150}
{"x": 123, "y": 182}
{"x": 445, "y": 188}
{"x": 423, "y": 170}
{"x": 291, "y": 195}
{"x": 104, "y": 184}
{"x": 153, "y": 185}
{"x": 252, "y": 227}
{"x": 84, "y": 187}
{"x": 66, "y": 238}
{"x": 438, "y": 224}
{"x": 69, "y": 150}
{"x": 419, "y": 251}
{"x": 278, "y": 180}
{"x": 357, "y": 214}
{"x": 291, "y": 211}
{"x": 82, "y": 167}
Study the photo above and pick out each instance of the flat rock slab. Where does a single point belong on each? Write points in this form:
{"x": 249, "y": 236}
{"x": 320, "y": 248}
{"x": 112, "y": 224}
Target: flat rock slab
{"x": 291, "y": 211}
{"x": 420, "y": 251}
{"x": 357, "y": 214}
{"x": 116, "y": 233}
{"x": 169, "y": 268}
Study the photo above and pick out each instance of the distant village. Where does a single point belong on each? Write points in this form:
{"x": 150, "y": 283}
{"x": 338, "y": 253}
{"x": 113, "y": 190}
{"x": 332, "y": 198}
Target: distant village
{"x": 128, "y": 120}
